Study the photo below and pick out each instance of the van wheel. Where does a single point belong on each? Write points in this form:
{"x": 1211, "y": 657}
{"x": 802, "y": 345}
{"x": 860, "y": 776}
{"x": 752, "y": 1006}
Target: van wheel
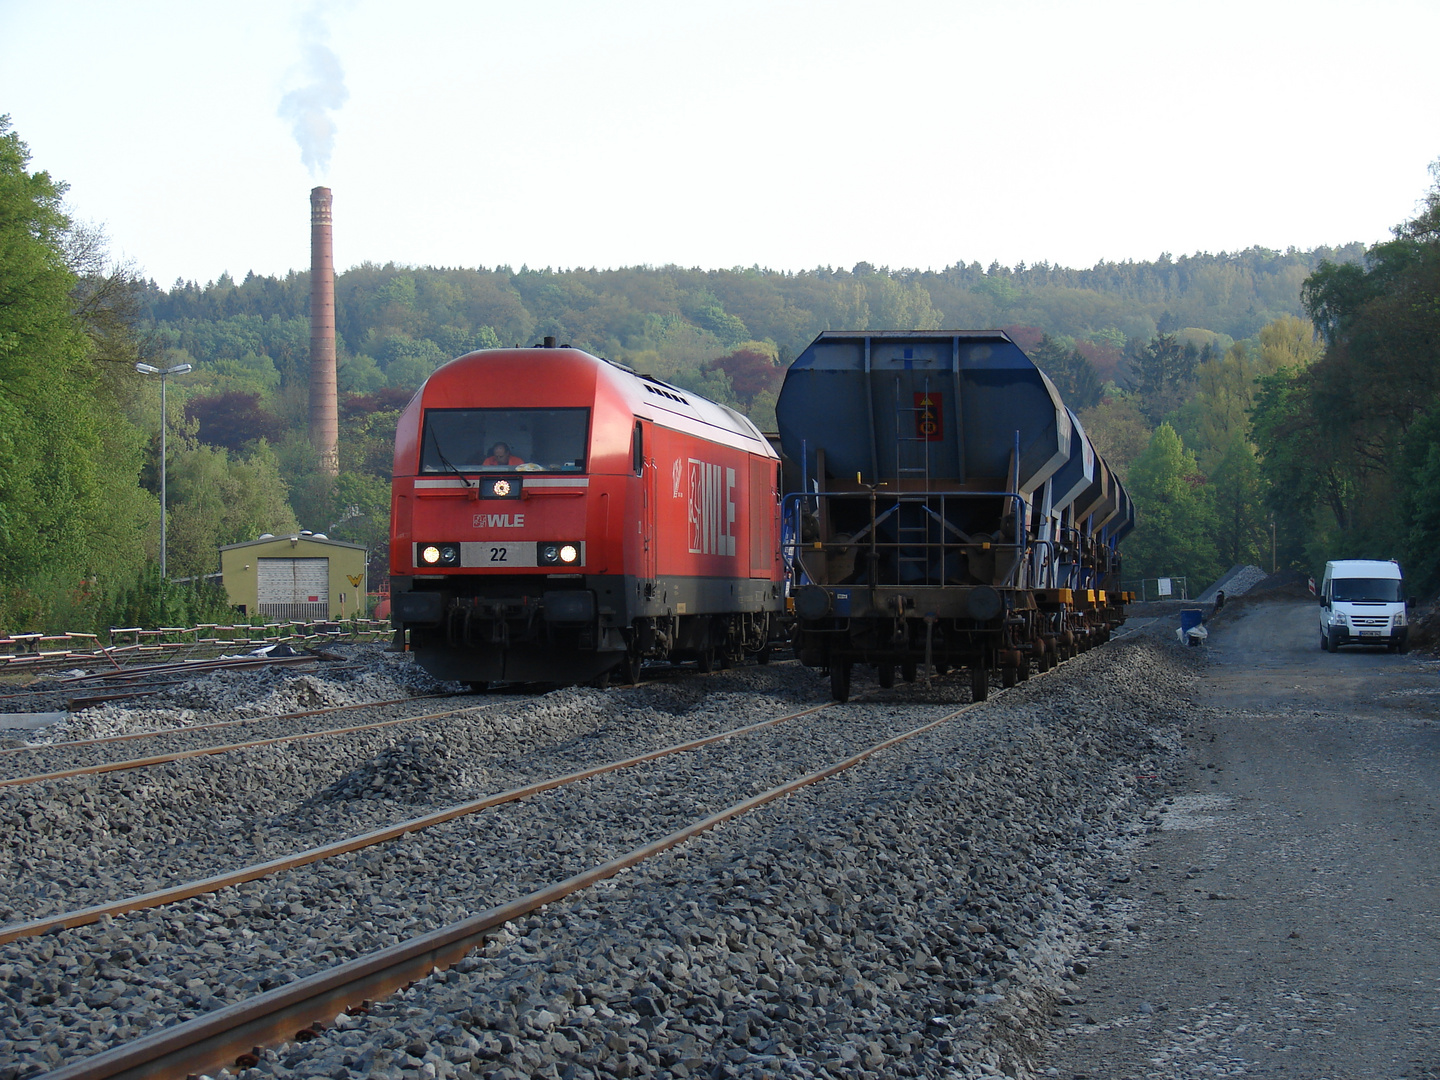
{"x": 1330, "y": 645}
{"x": 1324, "y": 645}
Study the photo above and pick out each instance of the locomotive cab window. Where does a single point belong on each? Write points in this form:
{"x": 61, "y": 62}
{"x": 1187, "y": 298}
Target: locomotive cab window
{"x": 504, "y": 440}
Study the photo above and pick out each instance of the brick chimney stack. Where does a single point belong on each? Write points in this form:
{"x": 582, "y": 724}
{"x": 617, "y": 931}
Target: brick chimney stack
{"x": 324, "y": 409}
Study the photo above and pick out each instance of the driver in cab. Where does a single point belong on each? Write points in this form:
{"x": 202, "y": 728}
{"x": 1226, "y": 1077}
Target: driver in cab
{"x": 500, "y": 457}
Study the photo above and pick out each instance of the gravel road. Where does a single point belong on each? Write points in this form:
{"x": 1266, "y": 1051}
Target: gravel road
{"x": 1286, "y": 919}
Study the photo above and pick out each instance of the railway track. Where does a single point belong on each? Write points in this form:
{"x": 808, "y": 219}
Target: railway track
{"x": 391, "y": 884}
{"x": 369, "y": 976}
{"x": 227, "y": 1038}
{"x": 146, "y": 761}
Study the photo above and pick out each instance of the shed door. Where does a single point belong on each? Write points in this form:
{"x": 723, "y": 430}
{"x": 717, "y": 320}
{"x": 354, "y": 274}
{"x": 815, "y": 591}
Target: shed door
{"x": 294, "y": 588}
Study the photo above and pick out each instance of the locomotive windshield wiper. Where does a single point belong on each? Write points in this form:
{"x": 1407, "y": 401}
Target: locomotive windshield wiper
{"x": 446, "y": 461}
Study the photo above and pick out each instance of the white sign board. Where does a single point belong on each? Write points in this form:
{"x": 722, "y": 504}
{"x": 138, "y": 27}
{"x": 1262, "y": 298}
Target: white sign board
{"x": 1163, "y": 588}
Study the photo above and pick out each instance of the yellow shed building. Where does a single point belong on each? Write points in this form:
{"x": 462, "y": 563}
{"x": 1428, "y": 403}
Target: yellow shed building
{"x": 303, "y": 576}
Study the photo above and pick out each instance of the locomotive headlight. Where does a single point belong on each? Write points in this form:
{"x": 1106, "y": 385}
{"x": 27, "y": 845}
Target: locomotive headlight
{"x": 558, "y": 553}
{"x": 440, "y": 554}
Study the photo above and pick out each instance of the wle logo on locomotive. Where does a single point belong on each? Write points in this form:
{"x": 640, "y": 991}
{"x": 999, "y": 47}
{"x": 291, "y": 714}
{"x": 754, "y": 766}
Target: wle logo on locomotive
{"x": 498, "y": 521}
{"x": 712, "y": 522}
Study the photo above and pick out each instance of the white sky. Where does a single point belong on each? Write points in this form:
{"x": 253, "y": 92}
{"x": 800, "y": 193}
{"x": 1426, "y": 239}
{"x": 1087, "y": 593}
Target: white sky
{"x": 786, "y": 133}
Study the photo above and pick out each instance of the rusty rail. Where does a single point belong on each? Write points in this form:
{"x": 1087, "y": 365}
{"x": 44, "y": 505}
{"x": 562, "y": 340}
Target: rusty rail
{"x": 219, "y": 724}
{"x": 181, "y": 755}
{"x": 190, "y": 889}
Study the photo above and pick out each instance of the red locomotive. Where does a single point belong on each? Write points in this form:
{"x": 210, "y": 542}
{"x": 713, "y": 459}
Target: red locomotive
{"x": 556, "y": 516}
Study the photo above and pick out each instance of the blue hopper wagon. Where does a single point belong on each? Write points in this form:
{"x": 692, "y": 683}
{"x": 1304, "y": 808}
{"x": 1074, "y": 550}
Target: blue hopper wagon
{"x": 944, "y": 508}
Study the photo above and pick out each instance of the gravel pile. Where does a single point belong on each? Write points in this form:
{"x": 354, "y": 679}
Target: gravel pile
{"x": 917, "y": 916}
{"x": 1236, "y": 582}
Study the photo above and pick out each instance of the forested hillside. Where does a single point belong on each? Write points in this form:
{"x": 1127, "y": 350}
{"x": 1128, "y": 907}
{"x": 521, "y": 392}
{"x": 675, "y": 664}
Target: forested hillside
{"x": 1200, "y": 377}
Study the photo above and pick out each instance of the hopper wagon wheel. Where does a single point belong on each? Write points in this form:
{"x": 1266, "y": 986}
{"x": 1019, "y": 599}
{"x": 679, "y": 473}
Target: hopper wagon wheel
{"x": 1023, "y": 671}
{"x": 477, "y": 687}
{"x": 1009, "y": 676}
{"x": 630, "y": 669}
{"x": 979, "y": 682}
{"x": 908, "y": 670}
{"x": 885, "y": 675}
{"x": 840, "y": 680}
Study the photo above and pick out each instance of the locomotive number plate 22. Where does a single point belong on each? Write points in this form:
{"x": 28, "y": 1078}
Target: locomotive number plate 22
{"x": 497, "y": 553}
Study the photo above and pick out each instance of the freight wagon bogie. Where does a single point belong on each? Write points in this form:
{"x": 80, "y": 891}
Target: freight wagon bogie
{"x": 557, "y": 517}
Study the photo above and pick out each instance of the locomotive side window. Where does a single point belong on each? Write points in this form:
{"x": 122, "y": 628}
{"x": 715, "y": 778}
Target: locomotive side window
{"x": 504, "y": 440}
{"x": 637, "y": 449}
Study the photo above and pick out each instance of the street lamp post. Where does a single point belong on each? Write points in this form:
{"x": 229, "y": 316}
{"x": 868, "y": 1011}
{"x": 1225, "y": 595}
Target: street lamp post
{"x": 148, "y": 369}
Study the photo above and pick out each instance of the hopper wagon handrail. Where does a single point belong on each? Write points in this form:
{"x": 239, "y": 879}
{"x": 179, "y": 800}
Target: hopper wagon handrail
{"x": 793, "y": 513}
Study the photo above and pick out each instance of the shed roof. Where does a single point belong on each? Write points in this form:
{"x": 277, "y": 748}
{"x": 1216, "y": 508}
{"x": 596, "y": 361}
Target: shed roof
{"x": 287, "y": 537}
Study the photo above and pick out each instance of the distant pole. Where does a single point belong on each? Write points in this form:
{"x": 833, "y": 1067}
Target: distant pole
{"x": 147, "y": 369}
{"x": 1273, "y": 564}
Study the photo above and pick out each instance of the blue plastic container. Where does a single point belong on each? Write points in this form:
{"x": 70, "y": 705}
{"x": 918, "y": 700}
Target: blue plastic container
{"x": 1191, "y": 618}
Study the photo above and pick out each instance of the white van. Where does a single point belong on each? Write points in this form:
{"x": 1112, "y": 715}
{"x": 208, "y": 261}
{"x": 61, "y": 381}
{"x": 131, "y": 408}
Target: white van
{"x": 1362, "y": 602}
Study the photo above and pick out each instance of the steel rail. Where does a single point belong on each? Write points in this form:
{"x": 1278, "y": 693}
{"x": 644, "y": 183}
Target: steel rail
{"x": 84, "y": 916}
{"x": 179, "y": 666}
{"x": 30, "y": 747}
{"x": 220, "y": 724}
{"x": 217, "y": 1039}
{"x": 204, "y": 751}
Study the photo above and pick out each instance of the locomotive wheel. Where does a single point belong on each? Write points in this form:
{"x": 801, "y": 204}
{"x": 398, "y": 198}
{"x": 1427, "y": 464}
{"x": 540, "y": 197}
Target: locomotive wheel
{"x": 477, "y": 687}
{"x": 601, "y": 681}
{"x": 840, "y": 681}
{"x": 885, "y": 675}
{"x": 979, "y": 683}
{"x": 706, "y": 660}
{"x": 763, "y": 656}
{"x": 908, "y": 670}
{"x": 1009, "y": 676}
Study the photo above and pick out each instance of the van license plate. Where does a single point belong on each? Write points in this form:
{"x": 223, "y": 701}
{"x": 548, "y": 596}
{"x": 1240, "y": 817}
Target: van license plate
{"x": 1370, "y": 633}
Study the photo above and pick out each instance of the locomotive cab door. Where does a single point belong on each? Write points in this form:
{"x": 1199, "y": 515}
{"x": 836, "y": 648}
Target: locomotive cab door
{"x": 644, "y": 467}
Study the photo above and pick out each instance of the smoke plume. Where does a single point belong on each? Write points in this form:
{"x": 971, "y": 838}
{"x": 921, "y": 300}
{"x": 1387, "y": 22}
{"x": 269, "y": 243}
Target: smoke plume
{"x": 308, "y": 107}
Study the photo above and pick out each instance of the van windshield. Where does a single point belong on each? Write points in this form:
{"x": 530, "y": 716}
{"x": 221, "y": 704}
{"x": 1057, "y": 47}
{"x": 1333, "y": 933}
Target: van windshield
{"x": 1360, "y": 589}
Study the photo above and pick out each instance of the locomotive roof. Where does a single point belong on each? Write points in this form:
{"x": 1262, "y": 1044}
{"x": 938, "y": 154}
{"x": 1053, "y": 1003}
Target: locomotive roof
{"x": 647, "y": 396}
{"x": 664, "y": 403}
